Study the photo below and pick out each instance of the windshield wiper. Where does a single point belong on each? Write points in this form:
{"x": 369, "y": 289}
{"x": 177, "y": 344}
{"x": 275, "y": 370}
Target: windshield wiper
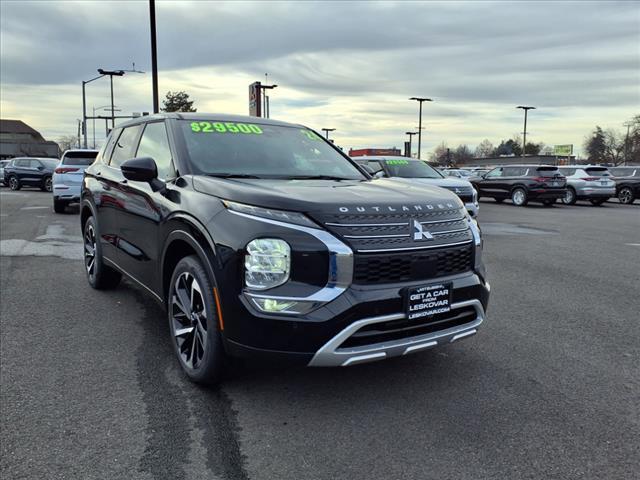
{"x": 231, "y": 175}
{"x": 318, "y": 177}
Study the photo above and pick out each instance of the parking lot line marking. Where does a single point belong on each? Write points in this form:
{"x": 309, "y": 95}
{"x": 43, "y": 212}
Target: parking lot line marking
{"x": 33, "y": 208}
{"x": 633, "y": 244}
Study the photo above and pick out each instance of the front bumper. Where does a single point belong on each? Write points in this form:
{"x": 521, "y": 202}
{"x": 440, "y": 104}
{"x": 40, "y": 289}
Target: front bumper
{"x": 473, "y": 208}
{"x": 316, "y": 339}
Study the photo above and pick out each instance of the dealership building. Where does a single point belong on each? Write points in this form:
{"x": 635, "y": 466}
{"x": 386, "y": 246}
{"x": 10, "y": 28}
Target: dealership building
{"x": 17, "y": 139}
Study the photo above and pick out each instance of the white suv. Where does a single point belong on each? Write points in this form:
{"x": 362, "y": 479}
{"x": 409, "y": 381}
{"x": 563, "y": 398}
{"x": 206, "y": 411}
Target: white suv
{"x": 586, "y": 182}
{"x": 68, "y": 175}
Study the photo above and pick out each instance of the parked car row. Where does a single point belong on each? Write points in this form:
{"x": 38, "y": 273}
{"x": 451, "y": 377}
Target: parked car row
{"x": 547, "y": 184}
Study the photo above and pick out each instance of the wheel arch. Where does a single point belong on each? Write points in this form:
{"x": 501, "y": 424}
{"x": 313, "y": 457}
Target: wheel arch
{"x": 186, "y": 237}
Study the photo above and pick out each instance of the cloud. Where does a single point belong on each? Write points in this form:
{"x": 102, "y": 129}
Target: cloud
{"x": 348, "y": 65}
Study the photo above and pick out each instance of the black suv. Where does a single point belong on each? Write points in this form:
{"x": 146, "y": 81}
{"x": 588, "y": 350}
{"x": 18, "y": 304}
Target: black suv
{"x": 627, "y": 183}
{"x": 263, "y": 240}
{"x": 30, "y": 172}
{"x": 522, "y": 184}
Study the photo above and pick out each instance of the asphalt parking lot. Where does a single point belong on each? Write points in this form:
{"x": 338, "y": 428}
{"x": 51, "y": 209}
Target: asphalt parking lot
{"x": 549, "y": 388}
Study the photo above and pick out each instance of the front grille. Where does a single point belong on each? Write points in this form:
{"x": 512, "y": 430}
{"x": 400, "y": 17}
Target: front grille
{"x": 395, "y": 231}
{"x": 374, "y": 269}
{"x": 400, "y": 329}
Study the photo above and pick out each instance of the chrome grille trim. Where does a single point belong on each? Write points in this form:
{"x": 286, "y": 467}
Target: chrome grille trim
{"x": 376, "y": 236}
{"x": 331, "y": 224}
{"x": 414, "y": 248}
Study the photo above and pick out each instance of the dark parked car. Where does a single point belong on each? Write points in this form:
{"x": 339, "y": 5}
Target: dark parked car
{"x": 522, "y": 184}
{"x": 30, "y": 172}
{"x": 627, "y": 183}
{"x": 263, "y": 240}
{"x": 3, "y": 163}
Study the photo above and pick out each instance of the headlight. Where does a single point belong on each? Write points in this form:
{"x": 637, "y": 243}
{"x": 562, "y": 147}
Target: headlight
{"x": 475, "y": 196}
{"x": 267, "y": 263}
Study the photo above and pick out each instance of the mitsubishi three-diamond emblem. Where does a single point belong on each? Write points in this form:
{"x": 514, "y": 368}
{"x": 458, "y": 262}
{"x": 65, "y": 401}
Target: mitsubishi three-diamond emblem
{"x": 419, "y": 233}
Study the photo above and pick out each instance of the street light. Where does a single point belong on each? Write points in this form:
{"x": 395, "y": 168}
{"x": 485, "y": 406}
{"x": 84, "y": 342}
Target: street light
{"x": 524, "y": 139}
{"x": 326, "y": 132}
{"x": 420, "y": 100}
{"x": 112, "y": 73}
{"x": 266, "y": 99}
{"x": 94, "y": 121}
{"x": 411, "y": 134}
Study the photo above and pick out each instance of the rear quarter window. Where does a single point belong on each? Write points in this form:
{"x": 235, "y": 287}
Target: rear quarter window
{"x": 547, "y": 171}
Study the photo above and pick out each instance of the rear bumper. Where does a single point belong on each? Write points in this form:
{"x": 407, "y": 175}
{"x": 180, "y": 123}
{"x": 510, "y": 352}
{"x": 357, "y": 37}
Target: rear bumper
{"x": 591, "y": 192}
{"x": 546, "y": 194}
{"x": 66, "y": 192}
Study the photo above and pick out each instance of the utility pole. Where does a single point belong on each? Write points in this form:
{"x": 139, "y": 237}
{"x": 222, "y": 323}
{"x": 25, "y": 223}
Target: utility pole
{"x": 626, "y": 143}
{"x": 154, "y": 56}
{"x": 420, "y": 100}
{"x": 524, "y": 138}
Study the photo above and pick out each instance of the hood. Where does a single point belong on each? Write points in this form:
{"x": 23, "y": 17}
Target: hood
{"x": 329, "y": 196}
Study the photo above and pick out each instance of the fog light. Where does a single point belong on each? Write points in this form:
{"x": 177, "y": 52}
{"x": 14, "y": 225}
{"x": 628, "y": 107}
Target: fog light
{"x": 267, "y": 263}
{"x": 273, "y": 306}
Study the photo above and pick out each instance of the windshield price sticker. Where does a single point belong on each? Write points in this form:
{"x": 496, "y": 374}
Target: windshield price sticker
{"x": 428, "y": 301}
{"x": 225, "y": 127}
{"x": 397, "y": 162}
{"x": 310, "y": 135}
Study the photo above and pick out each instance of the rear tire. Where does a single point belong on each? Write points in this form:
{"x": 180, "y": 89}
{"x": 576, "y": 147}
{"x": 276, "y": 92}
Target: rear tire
{"x": 626, "y": 196}
{"x": 519, "y": 197}
{"x": 596, "y": 202}
{"x": 59, "y": 206}
{"x": 194, "y": 323}
{"x": 99, "y": 276}
{"x": 569, "y": 197}
{"x": 47, "y": 185}
{"x": 14, "y": 183}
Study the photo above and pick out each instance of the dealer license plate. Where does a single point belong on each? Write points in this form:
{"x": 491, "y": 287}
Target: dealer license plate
{"x": 428, "y": 300}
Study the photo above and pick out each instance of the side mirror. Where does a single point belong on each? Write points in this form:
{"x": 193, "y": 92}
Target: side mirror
{"x": 40, "y": 168}
{"x": 368, "y": 169}
{"x": 142, "y": 169}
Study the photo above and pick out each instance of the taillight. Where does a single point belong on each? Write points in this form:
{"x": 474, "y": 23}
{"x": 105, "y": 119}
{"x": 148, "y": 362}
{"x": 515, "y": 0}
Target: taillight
{"x": 590, "y": 179}
{"x": 66, "y": 169}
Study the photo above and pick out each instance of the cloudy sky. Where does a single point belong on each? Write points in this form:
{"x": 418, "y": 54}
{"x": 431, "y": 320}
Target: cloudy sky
{"x": 344, "y": 65}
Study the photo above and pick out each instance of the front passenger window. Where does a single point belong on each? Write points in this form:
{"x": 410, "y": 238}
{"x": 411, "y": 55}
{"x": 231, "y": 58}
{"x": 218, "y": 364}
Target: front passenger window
{"x": 155, "y": 144}
{"x": 494, "y": 173}
{"x": 125, "y": 146}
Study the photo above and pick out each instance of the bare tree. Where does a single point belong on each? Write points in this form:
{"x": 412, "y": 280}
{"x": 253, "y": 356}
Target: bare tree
{"x": 67, "y": 142}
{"x": 484, "y": 149}
{"x": 613, "y": 147}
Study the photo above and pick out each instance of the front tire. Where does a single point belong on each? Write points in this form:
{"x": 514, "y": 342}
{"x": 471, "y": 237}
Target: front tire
{"x": 194, "y": 323}
{"x": 569, "y": 197}
{"x": 14, "y": 183}
{"x": 519, "y": 197}
{"x": 99, "y": 276}
{"x": 626, "y": 196}
{"x": 59, "y": 205}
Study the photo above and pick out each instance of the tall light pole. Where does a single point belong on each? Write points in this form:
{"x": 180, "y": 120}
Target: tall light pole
{"x": 84, "y": 107}
{"x": 326, "y": 132}
{"x": 420, "y": 100}
{"x": 626, "y": 143}
{"x": 94, "y": 122}
{"x": 111, "y": 73}
{"x": 524, "y": 138}
{"x": 411, "y": 134}
{"x": 154, "y": 56}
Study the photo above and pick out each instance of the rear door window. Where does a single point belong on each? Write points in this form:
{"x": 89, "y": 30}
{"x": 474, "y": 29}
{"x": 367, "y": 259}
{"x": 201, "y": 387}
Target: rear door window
{"x": 125, "y": 146}
{"x": 547, "y": 171}
{"x": 23, "y": 163}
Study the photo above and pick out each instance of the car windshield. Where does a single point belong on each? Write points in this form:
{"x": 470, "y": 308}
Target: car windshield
{"x": 51, "y": 163}
{"x": 598, "y": 172}
{"x": 405, "y": 168}
{"x": 254, "y": 150}
{"x": 79, "y": 158}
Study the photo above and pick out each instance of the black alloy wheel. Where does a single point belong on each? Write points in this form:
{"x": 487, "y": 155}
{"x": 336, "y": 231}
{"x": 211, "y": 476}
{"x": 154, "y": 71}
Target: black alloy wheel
{"x": 626, "y": 196}
{"x": 193, "y": 322}
{"x": 569, "y": 197}
{"x": 47, "y": 185}
{"x": 99, "y": 275}
{"x": 14, "y": 183}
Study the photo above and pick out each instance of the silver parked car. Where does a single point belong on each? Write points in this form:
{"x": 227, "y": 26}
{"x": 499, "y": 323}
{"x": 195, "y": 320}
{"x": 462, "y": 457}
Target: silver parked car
{"x": 586, "y": 182}
{"x": 2, "y": 164}
{"x": 416, "y": 172}
{"x": 68, "y": 175}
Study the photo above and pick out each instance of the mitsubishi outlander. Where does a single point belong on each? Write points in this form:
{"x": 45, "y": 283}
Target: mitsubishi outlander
{"x": 262, "y": 240}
